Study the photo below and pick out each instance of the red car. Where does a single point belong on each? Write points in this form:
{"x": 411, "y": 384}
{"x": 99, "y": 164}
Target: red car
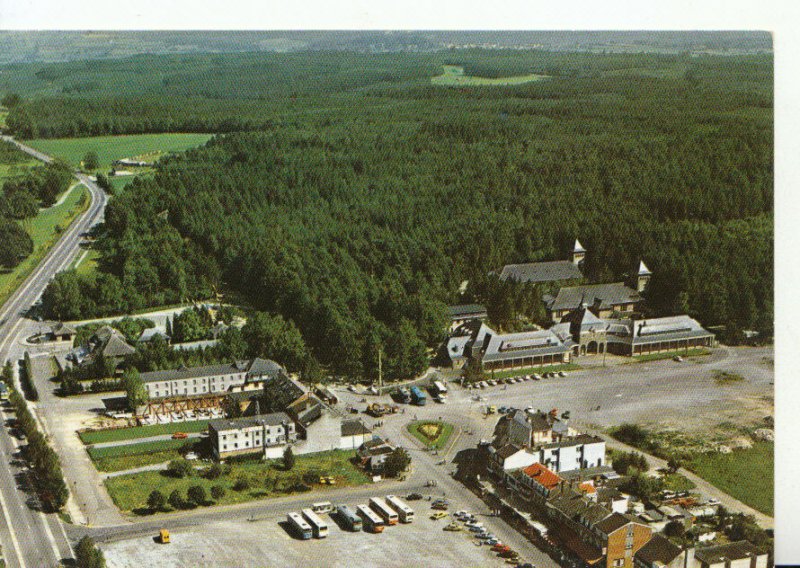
{"x": 180, "y": 436}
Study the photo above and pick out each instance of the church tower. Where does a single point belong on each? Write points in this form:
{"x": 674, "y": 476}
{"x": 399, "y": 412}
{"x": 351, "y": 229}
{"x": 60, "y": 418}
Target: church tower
{"x": 578, "y": 252}
{"x": 643, "y": 277}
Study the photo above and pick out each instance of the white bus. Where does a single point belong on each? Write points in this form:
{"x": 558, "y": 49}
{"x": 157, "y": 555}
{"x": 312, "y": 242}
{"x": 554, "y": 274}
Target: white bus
{"x": 441, "y": 390}
{"x": 371, "y": 521}
{"x": 388, "y": 514}
{"x": 350, "y": 519}
{"x": 318, "y": 526}
{"x": 405, "y": 512}
{"x": 298, "y": 524}
{"x": 322, "y": 507}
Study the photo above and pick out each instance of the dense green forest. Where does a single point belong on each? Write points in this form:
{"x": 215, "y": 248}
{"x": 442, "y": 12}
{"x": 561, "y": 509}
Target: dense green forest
{"x": 364, "y": 196}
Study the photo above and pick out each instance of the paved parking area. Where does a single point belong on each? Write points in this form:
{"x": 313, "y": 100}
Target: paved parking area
{"x": 267, "y": 543}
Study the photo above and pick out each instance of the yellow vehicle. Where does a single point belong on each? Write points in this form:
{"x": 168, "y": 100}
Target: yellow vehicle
{"x": 163, "y": 536}
{"x": 327, "y": 479}
{"x": 491, "y": 409}
{"x": 439, "y": 515}
{"x": 454, "y": 527}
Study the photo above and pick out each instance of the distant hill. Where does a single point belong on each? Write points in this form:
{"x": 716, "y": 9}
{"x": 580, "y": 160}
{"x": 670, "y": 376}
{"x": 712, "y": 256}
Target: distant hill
{"x": 57, "y": 46}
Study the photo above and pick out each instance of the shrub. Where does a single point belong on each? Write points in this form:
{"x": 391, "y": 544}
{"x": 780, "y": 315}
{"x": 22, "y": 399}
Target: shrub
{"x": 288, "y": 458}
{"x": 176, "y": 500}
{"x": 196, "y": 494}
{"x": 217, "y": 492}
{"x": 156, "y": 500}
{"x": 214, "y": 471}
{"x": 241, "y": 484}
{"x": 180, "y": 468}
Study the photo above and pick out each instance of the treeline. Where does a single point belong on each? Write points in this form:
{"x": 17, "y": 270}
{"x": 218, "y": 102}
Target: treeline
{"x": 359, "y": 224}
{"x": 20, "y": 198}
{"x": 48, "y": 476}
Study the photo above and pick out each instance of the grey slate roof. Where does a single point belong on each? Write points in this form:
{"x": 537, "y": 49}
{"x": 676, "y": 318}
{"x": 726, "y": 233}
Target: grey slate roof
{"x": 526, "y": 344}
{"x": 658, "y": 549}
{"x": 551, "y": 271}
{"x": 612, "y": 523}
{"x": 572, "y": 297}
{"x": 60, "y": 328}
{"x": 190, "y": 372}
{"x": 273, "y": 419}
{"x": 353, "y": 428}
{"x": 471, "y": 310}
{"x": 117, "y": 347}
{"x": 730, "y": 551}
{"x": 151, "y": 333}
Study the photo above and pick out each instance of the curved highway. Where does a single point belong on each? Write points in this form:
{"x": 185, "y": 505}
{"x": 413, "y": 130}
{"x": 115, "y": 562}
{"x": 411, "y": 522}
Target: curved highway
{"x": 29, "y": 537}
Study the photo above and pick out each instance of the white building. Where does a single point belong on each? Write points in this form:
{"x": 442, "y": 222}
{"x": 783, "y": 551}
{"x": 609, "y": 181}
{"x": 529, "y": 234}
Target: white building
{"x": 197, "y": 381}
{"x": 268, "y": 434}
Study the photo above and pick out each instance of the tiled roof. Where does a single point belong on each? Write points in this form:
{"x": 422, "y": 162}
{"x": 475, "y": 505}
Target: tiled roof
{"x": 475, "y": 310}
{"x": 507, "y": 451}
{"x": 608, "y": 294}
{"x": 658, "y": 549}
{"x": 353, "y": 428}
{"x": 732, "y": 551}
{"x": 117, "y": 347}
{"x": 551, "y": 271}
{"x": 612, "y": 523}
{"x": 273, "y": 419}
{"x": 587, "y": 488}
{"x": 542, "y": 475}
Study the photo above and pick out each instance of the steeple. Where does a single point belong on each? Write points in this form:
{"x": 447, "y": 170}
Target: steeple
{"x": 578, "y": 252}
{"x": 642, "y": 277}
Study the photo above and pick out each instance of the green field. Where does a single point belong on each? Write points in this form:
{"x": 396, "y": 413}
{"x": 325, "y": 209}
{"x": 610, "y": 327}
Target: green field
{"x": 697, "y": 352}
{"x": 747, "y": 475}
{"x": 45, "y": 230}
{"x": 119, "y": 434}
{"x": 437, "y": 442}
{"x": 86, "y": 264}
{"x": 118, "y": 183}
{"x": 110, "y": 148}
{"x": 531, "y": 370}
{"x": 266, "y": 479}
{"x": 453, "y": 76}
{"x": 129, "y": 456}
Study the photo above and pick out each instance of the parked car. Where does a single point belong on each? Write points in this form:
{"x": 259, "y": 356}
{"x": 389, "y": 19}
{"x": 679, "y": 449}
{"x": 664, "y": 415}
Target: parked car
{"x": 678, "y": 358}
{"x": 180, "y": 436}
{"x": 537, "y": 377}
{"x": 413, "y": 496}
{"x": 438, "y": 515}
{"x": 562, "y": 374}
{"x": 454, "y": 527}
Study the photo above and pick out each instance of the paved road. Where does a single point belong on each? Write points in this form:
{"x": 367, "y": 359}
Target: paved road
{"x": 29, "y": 537}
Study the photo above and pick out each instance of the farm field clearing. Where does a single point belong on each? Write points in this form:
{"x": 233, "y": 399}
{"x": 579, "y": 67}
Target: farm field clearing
{"x": 454, "y": 76}
{"x": 110, "y": 148}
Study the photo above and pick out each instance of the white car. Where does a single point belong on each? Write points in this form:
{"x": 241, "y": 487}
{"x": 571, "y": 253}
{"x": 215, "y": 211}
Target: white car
{"x": 492, "y": 383}
{"x": 537, "y": 377}
{"x": 562, "y": 374}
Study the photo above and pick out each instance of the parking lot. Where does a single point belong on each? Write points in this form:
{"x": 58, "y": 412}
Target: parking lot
{"x": 268, "y": 542}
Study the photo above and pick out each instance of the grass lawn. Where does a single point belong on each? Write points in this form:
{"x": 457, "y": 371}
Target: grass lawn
{"x": 110, "y": 148}
{"x": 129, "y": 456}
{"x": 45, "y": 229}
{"x": 453, "y": 76}
{"x": 3, "y": 115}
{"x": 438, "y": 433}
{"x": 119, "y": 434}
{"x": 676, "y": 482}
{"x": 265, "y": 479}
{"x": 13, "y": 170}
{"x": 86, "y": 262}
{"x": 747, "y": 475}
{"x": 118, "y": 183}
{"x": 531, "y": 370}
{"x": 699, "y": 352}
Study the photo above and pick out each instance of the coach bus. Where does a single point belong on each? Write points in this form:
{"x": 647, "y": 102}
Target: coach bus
{"x": 404, "y": 512}
{"x": 384, "y": 511}
{"x": 300, "y": 526}
{"x": 372, "y": 522}
{"x": 349, "y": 518}
{"x": 318, "y": 526}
